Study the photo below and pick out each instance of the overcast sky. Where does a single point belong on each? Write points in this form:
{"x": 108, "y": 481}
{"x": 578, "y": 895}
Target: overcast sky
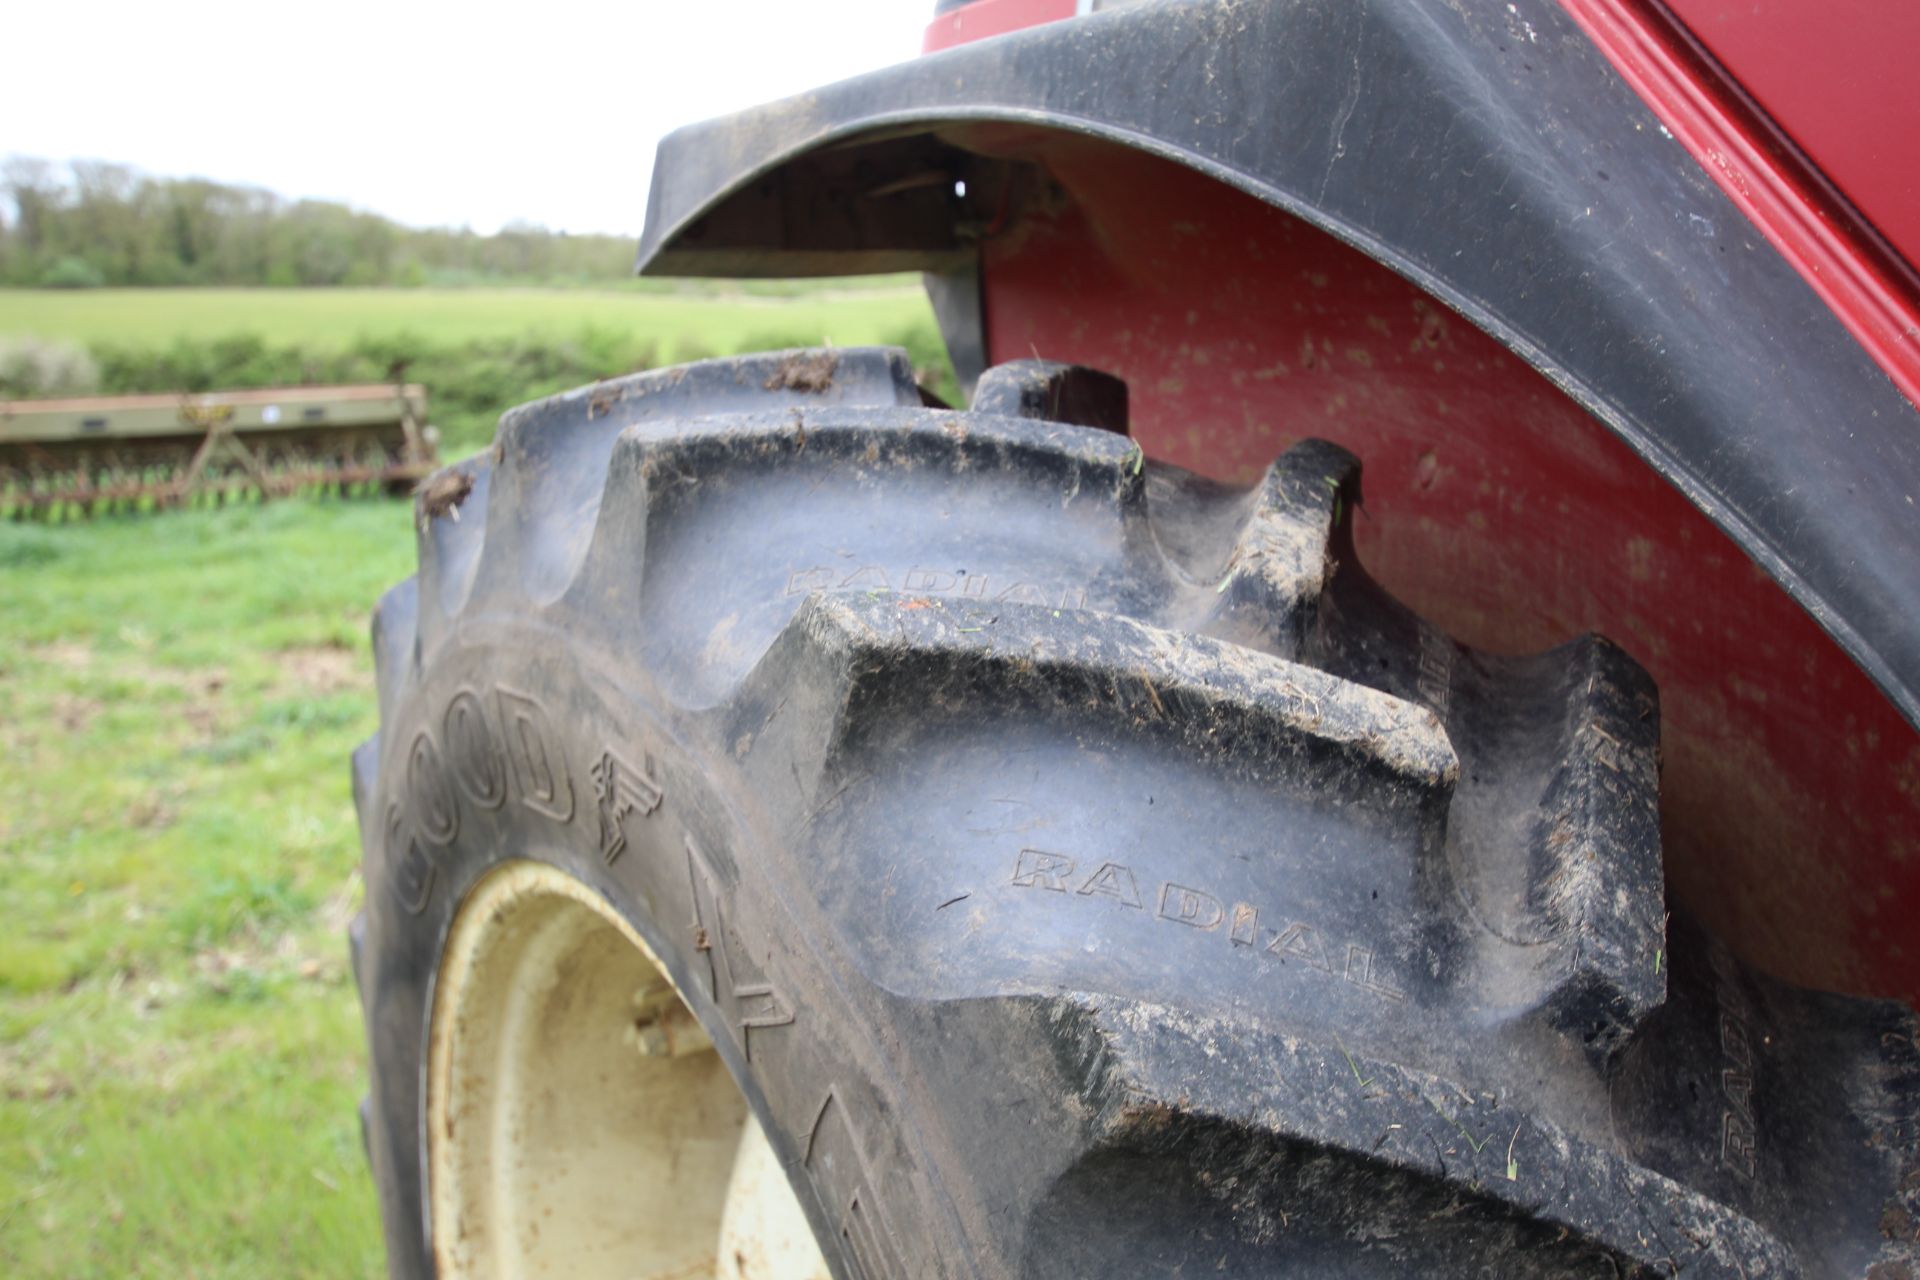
{"x": 433, "y": 114}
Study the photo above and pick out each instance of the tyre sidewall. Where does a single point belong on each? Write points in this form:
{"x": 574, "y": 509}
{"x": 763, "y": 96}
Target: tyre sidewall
{"x": 516, "y": 744}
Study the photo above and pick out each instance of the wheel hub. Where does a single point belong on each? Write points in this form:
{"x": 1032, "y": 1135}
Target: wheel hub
{"x": 580, "y": 1122}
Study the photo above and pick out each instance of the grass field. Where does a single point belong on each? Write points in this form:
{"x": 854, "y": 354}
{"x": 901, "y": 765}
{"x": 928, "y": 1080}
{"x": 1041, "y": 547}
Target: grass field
{"x": 180, "y": 1049}
{"x": 179, "y": 1040}
{"x": 695, "y": 320}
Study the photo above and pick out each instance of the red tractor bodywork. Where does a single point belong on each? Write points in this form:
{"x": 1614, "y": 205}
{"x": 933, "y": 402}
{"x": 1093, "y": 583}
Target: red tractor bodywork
{"x": 1836, "y": 78}
{"x": 1821, "y": 174}
{"x": 1498, "y": 507}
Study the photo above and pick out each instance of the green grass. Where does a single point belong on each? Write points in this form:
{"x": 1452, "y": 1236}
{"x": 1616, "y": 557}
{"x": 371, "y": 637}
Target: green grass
{"x": 691, "y": 320}
{"x": 180, "y": 1047}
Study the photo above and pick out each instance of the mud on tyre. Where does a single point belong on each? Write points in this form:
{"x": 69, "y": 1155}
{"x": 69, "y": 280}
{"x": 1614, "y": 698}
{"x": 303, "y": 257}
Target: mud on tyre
{"x": 1079, "y": 867}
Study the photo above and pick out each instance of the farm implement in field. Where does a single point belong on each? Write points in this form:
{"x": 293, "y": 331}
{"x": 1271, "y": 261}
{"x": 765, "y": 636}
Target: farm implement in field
{"x": 62, "y": 459}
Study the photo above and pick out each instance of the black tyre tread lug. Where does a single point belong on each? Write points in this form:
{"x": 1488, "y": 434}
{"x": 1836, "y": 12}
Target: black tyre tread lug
{"x": 1092, "y": 461}
{"x": 856, "y": 376}
{"x": 554, "y": 455}
{"x": 396, "y": 644}
{"x": 1054, "y": 392}
{"x": 1170, "y": 1082}
{"x": 652, "y": 467}
{"x": 1588, "y": 877}
{"x": 451, "y": 534}
{"x": 1571, "y": 909}
{"x": 366, "y": 781}
{"x": 1285, "y": 551}
{"x": 1596, "y": 875}
{"x": 856, "y": 651}
{"x": 356, "y": 951}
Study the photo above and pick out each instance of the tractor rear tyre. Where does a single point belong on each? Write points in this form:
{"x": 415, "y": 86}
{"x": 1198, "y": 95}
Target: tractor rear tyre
{"x": 811, "y": 832}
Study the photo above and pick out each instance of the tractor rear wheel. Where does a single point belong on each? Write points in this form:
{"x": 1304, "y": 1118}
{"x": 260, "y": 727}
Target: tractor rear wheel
{"x": 815, "y": 833}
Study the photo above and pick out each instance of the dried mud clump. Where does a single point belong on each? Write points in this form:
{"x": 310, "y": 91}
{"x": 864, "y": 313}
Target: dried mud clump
{"x": 442, "y": 493}
{"x": 804, "y": 371}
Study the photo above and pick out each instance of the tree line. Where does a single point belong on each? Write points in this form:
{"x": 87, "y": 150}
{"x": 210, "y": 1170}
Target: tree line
{"x": 91, "y": 223}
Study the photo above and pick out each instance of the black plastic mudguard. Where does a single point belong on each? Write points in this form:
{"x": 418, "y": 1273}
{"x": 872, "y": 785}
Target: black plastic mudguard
{"x": 1465, "y": 146}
